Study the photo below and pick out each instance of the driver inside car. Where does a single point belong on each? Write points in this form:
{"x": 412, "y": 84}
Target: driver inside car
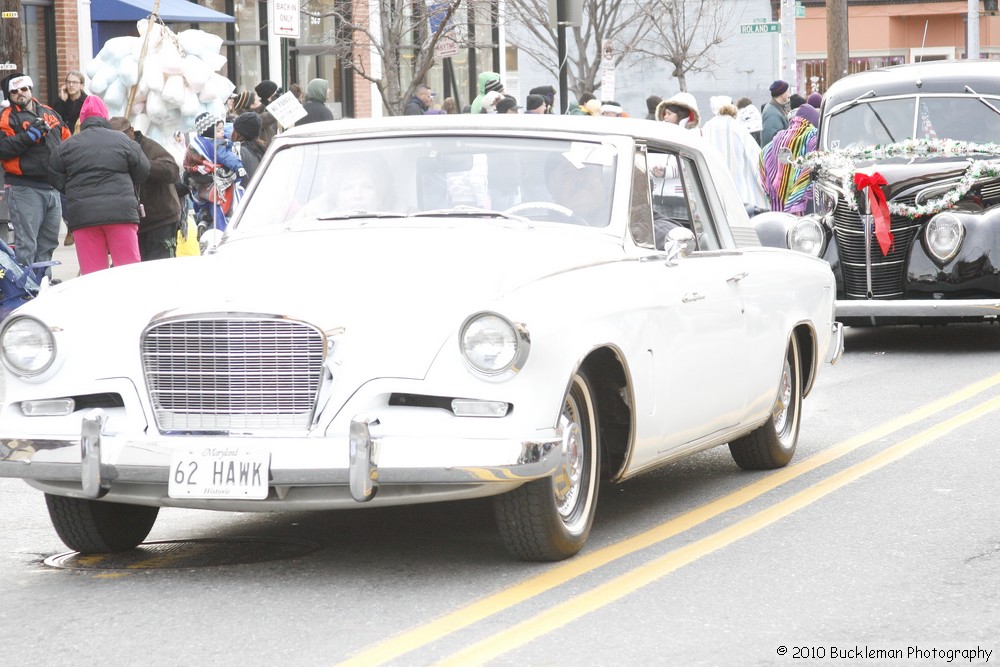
{"x": 579, "y": 188}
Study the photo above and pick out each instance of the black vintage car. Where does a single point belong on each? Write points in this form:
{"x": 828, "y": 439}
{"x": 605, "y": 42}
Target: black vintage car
{"x": 929, "y": 130}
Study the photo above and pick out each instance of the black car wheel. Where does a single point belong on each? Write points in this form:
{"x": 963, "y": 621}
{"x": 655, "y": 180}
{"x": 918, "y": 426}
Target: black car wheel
{"x": 550, "y": 519}
{"x": 94, "y": 527}
{"x": 772, "y": 444}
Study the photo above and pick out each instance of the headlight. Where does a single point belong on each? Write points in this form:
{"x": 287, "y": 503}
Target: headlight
{"x": 824, "y": 202}
{"x": 944, "y": 235}
{"x": 494, "y": 346}
{"x": 27, "y": 346}
{"x": 807, "y": 236}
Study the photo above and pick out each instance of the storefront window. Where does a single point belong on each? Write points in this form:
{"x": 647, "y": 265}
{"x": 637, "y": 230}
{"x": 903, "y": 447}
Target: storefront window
{"x": 812, "y": 73}
{"x": 243, "y": 47}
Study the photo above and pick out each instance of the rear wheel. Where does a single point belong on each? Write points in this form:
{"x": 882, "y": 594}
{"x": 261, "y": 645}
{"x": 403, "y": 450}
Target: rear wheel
{"x": 772, "y": 444}
{"x": 94, "y": 527}
{"x": 549, "y": 519}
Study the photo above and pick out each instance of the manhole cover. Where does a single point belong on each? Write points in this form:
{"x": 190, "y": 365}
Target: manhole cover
{"x": 183, "y": 554}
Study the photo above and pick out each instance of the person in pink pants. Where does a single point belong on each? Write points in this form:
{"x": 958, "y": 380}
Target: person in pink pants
{"x": 100, "y": 170}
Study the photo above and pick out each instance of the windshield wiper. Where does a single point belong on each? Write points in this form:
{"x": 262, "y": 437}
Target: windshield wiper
{"x": 853, "y": 103}
{"x": 982, "y": 99}
{"x": 882, "y": 123}
{"x": 354, "y": 215}
{"x": 464, "y": 211}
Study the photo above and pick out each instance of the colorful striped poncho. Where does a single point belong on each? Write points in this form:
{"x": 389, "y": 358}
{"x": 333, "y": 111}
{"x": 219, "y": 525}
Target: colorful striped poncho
{"x": 788, "y": 187}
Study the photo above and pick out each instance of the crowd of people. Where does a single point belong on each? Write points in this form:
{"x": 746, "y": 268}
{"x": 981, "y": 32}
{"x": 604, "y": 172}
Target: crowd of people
{"x": 749, "y": 138}
{"x": 123, "y": 197}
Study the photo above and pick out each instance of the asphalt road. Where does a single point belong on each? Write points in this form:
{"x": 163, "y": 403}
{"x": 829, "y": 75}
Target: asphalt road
{"x": 878, "y": 545}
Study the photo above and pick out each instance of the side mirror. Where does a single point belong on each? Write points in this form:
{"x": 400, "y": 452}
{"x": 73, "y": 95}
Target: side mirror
{"x": 680, "y": 243}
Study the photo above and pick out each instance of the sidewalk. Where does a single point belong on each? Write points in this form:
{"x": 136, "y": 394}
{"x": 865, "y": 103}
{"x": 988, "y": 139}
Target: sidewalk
{"x": 70, "y": 267}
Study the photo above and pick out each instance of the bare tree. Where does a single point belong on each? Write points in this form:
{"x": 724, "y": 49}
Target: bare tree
{"x": 620, "y": 21}
{"x": 686, "y": 33}
{"x": 10, "y": 36}
{"x": 391, "y": 45}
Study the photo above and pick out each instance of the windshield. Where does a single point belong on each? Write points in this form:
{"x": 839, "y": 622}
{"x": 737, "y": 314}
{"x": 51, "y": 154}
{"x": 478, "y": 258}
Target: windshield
{"x": 960, "y": 117}
{"x": 565, "y": 181}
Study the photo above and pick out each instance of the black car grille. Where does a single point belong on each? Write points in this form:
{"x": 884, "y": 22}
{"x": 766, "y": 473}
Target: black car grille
{"x": 889, "y": 271}
{"x": 240, "y": 374}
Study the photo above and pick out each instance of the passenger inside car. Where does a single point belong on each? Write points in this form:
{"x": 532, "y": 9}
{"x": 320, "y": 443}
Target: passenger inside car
{"x": 352, "y": 186}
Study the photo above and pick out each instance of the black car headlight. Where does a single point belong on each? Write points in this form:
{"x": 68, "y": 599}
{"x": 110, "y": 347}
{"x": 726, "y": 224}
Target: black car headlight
{"x": 944, "y": 235}
{"x": 27, "y": 347}
{"x": 494, "y": 346}
{"x": 807, "y": 235}
{"x": 824, "y": 201}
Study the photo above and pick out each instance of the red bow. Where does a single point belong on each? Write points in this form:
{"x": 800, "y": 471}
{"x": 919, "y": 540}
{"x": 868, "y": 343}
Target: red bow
{"x": 879, "y": 208}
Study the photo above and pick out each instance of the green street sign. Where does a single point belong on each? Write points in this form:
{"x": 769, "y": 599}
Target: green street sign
{"x": 800, "y": 10}
{"x": 754, "y": 28}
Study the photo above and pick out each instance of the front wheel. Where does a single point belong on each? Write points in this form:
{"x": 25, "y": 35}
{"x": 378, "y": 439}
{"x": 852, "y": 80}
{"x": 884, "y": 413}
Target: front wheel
{"x": 772, "y": 444}
{"x": 549, "y": 519}
{"x": 96, "y": 527}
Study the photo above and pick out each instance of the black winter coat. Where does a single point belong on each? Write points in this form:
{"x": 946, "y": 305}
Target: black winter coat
{"x": 98, "y": 169}
{"x": 415, "y": 107}
{"x": 25, "y": 161}
{"x": 315, "y": 112}
{"x": 251, "y": 152}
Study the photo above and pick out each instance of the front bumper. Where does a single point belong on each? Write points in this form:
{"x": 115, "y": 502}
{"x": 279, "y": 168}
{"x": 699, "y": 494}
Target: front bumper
{"x": 929, "y": 308}
{"x": 304, "y": 473}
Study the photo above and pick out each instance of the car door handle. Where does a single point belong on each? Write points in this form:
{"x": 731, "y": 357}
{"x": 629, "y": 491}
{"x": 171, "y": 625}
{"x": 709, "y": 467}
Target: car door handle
{"x": 738, "y": 277}
{"x": 692, "y": 296}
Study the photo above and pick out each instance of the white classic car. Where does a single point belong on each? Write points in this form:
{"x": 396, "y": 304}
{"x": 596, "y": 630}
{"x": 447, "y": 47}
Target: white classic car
{"x": 419, "y": 310}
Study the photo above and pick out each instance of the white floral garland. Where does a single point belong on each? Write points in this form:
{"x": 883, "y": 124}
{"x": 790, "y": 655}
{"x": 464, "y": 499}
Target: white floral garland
{"x": 841, "y": 164}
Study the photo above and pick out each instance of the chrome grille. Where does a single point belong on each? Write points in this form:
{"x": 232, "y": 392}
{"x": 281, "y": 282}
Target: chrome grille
{"x": 240, "y": 374}
{"x": 888, "y": 272}
{"x": 991, "y": 193}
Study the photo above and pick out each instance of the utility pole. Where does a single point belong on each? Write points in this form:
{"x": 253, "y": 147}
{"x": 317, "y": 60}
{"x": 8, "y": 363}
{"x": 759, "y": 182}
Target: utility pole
{"x": 837, "y": 51}
{"x": 11, "y": 55}
{"x": 787, "y": 56}
{"x": 563, "y": 13}
{"x": 972, "y": 50}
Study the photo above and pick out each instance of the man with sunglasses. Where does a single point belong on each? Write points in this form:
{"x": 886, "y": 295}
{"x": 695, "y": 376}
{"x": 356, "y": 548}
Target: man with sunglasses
{"x": 29, "y": 131}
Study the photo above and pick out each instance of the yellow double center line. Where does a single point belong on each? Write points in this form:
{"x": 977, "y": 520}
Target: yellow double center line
{"x": 578, "y": 606}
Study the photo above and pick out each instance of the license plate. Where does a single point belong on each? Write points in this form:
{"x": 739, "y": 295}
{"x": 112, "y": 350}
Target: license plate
{"x": 219, "y": 472}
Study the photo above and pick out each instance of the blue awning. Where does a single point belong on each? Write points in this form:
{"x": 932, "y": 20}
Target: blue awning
{"x": 170, "y": 11}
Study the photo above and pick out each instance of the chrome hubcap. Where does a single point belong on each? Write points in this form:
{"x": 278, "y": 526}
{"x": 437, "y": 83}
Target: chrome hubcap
{"x": 568, "y": 478}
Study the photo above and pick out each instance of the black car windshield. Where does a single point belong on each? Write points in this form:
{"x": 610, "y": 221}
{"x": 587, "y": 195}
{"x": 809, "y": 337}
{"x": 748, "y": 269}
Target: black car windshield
{"x": 385, "y": 177}
{"x": 870, "y": 122}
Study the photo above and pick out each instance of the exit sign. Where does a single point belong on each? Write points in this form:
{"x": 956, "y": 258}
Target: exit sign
{"x": 754, "y": 28}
